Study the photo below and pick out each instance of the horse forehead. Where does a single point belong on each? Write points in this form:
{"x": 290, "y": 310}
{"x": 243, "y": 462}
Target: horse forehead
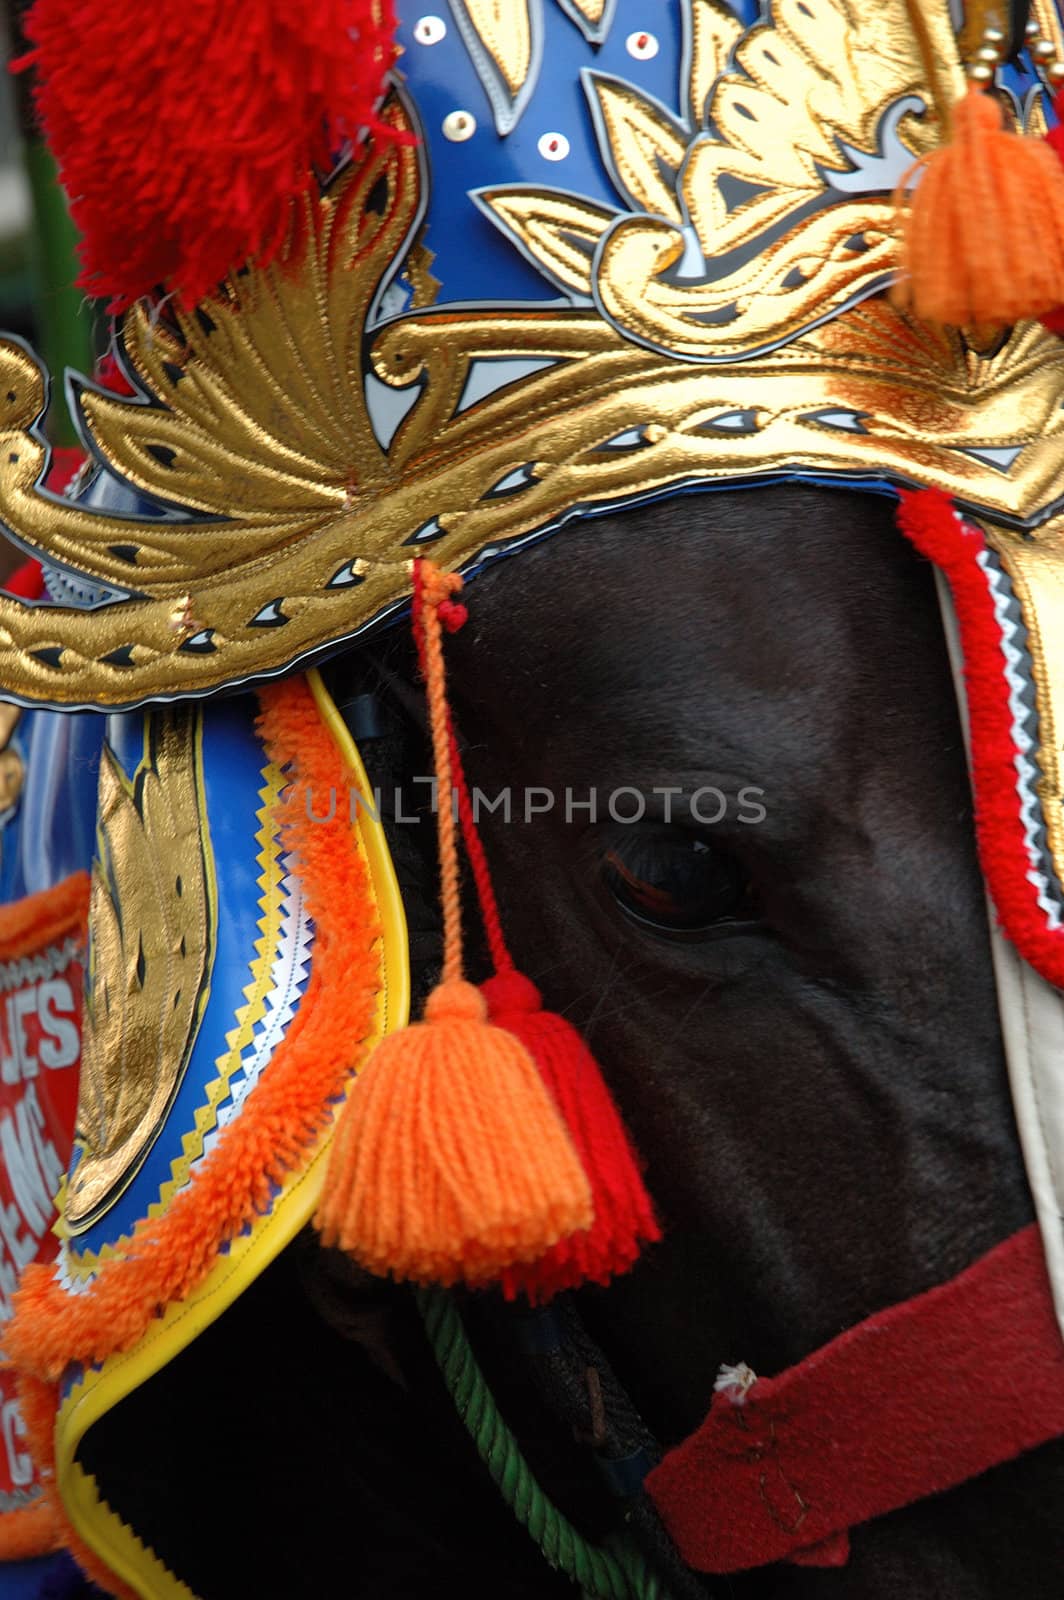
{"x": 705, "y": 602}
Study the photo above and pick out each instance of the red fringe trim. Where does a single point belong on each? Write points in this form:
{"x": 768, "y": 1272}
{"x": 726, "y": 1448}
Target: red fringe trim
{"x": 927, "y": 517}
{"x": 291, "y": 1106}
{"x": 27, "y": 927}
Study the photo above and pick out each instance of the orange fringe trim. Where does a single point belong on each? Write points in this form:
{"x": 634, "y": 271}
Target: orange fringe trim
{"x": 30, "y": 925}
{"x": 30, "y": 1531}
{"x": 293, "y": 1103}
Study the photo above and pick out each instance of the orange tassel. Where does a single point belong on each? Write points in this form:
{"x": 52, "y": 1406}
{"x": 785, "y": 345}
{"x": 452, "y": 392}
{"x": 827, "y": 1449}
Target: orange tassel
{"x": 983, "y": 240}
{"x": 624, "y": 1216}
{"x": 450, "y": 1161}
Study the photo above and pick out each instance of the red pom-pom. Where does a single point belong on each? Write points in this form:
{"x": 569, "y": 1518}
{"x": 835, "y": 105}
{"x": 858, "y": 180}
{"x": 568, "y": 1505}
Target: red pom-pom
{"x": 453, "y": 615}
{"x": 185, "y": 129}
{"x": 624, "y": 1216}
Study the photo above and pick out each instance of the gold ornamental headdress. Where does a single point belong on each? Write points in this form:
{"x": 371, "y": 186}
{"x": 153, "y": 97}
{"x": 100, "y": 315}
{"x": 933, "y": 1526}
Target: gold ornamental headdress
{"x": 292, "y": 442}
{"x": 451, "y": 351}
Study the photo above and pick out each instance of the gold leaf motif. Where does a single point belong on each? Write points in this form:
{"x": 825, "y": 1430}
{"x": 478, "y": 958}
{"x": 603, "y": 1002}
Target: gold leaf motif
{"x": 9, "y": 721}
{"x": 592, "y": 11}
{"x": 647, "y": 149}
{"x": 425, "y": 288}
{"x": 302, "y": 524}
{"x": 503, "y": 31}
{"x": 924, "y": 401}
{"x": 768, "y": 298}
{"x": 560, "y": 231}
{"x": 715, "y": 30}
{"x": 152, "y": 921}
{"x": 781, "y": 214}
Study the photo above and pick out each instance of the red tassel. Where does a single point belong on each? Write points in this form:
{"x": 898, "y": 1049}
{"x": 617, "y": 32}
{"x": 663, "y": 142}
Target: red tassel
{"x": 185, "y": 129}
{"x": 624, "y": 1217}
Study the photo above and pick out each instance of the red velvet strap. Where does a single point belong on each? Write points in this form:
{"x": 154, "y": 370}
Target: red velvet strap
{"x": 913, "y": 1400}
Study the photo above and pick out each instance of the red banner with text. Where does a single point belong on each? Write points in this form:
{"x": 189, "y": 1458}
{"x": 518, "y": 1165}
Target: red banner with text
{"x": 42, "y": 951}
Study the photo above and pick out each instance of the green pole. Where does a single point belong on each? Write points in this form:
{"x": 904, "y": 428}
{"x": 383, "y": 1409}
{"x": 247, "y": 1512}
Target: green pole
{"x": 63, "y": 314}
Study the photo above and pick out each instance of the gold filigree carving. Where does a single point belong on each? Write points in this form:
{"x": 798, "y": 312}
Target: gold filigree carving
{"x": 152, "y": 920}
{"x": 871, "y": 393}
{"x": 738, "y": 238}
{"x": 715, "y": 31}
{"x": 301, "y": 524}
{"x": 504, "y": 28}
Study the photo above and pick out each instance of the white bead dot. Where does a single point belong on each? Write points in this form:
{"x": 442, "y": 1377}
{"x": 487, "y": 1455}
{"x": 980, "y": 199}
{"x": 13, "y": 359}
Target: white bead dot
{"x": 459, "y": 126}
{"x": 430, "y": 30}
{"x": 553, "y": 146}
{"x": 643, "y": 46}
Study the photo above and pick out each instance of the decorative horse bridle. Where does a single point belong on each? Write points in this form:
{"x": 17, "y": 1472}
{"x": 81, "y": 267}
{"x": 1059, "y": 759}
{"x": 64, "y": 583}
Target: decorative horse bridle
{"x": 711, "y": 261}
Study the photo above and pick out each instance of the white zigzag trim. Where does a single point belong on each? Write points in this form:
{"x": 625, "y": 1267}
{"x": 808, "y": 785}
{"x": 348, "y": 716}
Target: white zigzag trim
{"x": 288, "y": 977}
{"x": 63, "y": 1276}
{"x": 13, "y": 974}
{"x": 1027, "y": 772}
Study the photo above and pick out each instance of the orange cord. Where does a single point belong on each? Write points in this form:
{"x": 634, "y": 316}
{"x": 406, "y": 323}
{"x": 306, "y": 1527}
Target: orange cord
{"x": 437, "y": 587}
{"x": 501, "y": 958}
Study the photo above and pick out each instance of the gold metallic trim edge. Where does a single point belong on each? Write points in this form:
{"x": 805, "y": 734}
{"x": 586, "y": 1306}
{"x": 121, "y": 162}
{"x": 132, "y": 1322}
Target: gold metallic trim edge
{"x": 151, "y": 823}
{"x": 925, "y": 408}
{"x": 98, "y": 1391}
{"x": 81, "y": 1265}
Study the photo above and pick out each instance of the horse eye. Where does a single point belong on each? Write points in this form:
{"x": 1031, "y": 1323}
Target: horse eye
{"x": 672, "y": 881}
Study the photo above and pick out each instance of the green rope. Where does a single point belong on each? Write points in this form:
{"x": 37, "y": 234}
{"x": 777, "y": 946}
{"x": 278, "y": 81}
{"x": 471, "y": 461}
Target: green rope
{"x": 617, "y": 1573}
